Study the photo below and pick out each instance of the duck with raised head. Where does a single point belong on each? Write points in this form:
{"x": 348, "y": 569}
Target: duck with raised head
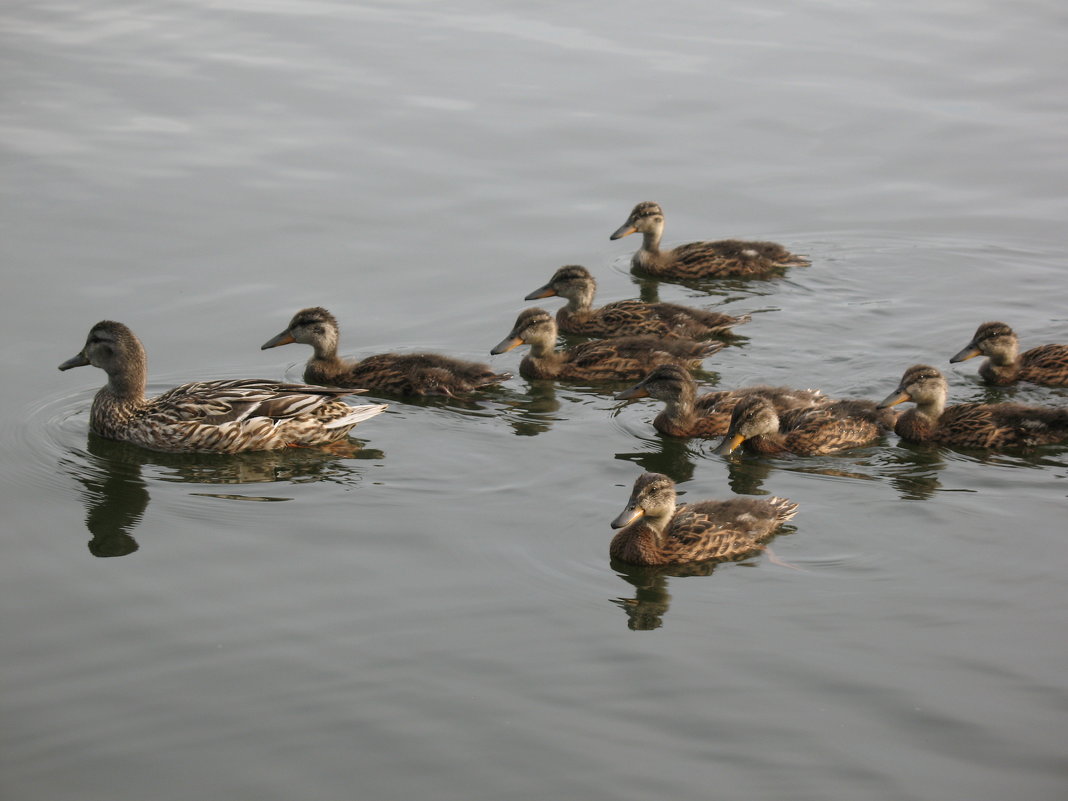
{"x": 1004, "y": 365}
{"x": 970, "y": 425}
{"x": 830, "y": 428}
{"x": 393, "y": 373}
{"x": 227, "y": 416}
{"x": 656, "y": 531}
{"x": 627, "y": 317}
{"x": 724, "y": 258}
{"x": 620, "y": 359}
{"x": 688, "y": 415}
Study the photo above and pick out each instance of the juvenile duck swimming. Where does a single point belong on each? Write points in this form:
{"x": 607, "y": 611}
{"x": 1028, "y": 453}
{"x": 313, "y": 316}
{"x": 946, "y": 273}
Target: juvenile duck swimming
{"x": 621, "y": 359}
{"x": 657, "y": 532}
{"x": 1046, "y": 364}
{"x": 725, "y": 258}
{"x": 226, "y": 416}
{"x": 833, "y": 427}
{"x": 394, "y": 373}
{"x": 687, "y": 415}
{"x": 626, "y": 317}
{"x": 970, "y": 425}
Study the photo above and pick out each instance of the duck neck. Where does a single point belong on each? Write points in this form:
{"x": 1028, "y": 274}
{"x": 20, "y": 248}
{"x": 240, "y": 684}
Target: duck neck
{"x": 932, "y": 408}
{"x": 126, "y": 384}
{"x": 651, "y": 238}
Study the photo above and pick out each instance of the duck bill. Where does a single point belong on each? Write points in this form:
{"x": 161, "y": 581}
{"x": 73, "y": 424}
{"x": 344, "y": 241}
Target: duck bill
{"x": 543, "y": 292}
{"x": 969, "y": 352}
{"x": 626, "y": 229}
{"x": 894, "y": 398}
{"x": 637, "y": 391}
{"x": 626, "y": 517}
{"x": 285, "y": 338}
{"x": 730, "y": 444}
{"x": 506, "y": 344}
{"x": 75, "y": 361}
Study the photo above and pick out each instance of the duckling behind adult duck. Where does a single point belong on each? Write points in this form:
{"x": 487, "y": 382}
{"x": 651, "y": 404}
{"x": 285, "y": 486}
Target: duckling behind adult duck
{"x": 657, "y": 532}
{"x": 1046, "y": 364}
{"x": 725, "y": 258}
{"x": 833, "y": 427}
{"x": 626, "y": 317}
{"x": 687, "y": 415}
{"x": 970, "y": 425}
{"x": 208, "y": 416}
{"x": 395, "y": 373}
{"x": 621, "y": 359}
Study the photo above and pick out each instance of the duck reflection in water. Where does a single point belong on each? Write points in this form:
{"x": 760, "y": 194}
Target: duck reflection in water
{"x": 116, "y": 495}
{"x": 646, "y": 610}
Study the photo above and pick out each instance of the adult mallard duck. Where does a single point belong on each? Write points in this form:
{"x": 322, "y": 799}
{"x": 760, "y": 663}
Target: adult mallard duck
{"x": 687, "y": 415}
{"x": 394, "y": 373}
{"x": 626, "y": 317}
{"x": 970, "y": 425}
{"x": 657, "y": 532}
{"x": 725, "y": 258}
{"x": 830, "y": 428}
{"x": 622, "y": 359}
{"x": 1046, "y": 364}
{"x": 226, "y": 416}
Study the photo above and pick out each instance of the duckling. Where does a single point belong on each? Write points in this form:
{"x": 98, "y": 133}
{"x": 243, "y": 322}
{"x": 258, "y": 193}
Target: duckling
{"x": 228, "y": 416}
{"x": 970, "y": 425}
{"x": 687, "y": 415}
{"x": 627, "y": 317}
{"x": 394, "y": 373}
{"x": 622, "y": 359}
{"x": 1046, "y": 364}
{"x": 833, "y": 427}
{"x": 726, "y": 258}
{"x": 656, "y": 532}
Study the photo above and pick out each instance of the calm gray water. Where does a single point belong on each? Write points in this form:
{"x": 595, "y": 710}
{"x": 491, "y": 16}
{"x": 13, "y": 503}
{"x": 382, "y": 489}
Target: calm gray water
{"x": 436, "y": 617}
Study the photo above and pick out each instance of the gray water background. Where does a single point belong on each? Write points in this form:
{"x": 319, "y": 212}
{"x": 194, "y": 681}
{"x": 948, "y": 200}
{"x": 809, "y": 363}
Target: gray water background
{"x": 437, "y": 617}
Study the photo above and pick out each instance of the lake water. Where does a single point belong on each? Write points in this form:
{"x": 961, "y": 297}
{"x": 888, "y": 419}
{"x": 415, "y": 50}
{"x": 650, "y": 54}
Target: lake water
{"x": 436, "y": 616}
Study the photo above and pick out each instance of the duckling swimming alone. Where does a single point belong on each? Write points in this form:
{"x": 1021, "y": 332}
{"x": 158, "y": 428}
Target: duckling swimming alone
{"x": 621, "y": 359}
{"x": 657, "y": 532}
{"x": 725, "y": 258}
{"x": 626, "y": 317}
{"x": 228, "y": 416}
{"x": 1046, "y": 364}
{"x": 395, "y": 373}
{"x": 687, "y": 415}
{"x": 970, "y": 425}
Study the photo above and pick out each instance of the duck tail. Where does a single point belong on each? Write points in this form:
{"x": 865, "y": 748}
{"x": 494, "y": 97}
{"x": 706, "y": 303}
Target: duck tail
{"x": 357, "y": 415}
{"x": 785, "y": 509}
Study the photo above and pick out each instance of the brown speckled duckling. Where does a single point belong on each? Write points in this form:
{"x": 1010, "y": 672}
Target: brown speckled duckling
{"x": 394, "y": 373}
{"x": 687, "y": 415}
{"x": 626, "y": 317}
{"x": 725, "y": 258}
{"x": 833, "y": 427}
{"x": 970, "y": 425}
{"x": 657, "y": 532}
{"x": 1046, "y": 364}
{"x": 621, "y": 359}
{"x": 227, "y": 416}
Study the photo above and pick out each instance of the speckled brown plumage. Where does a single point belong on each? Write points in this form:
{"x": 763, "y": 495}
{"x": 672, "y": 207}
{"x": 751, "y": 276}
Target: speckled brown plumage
{"x": 627, "y": 317}
{"x": 393, "y": 373}
{"x": 970, "y": 425}
{"x": 725, "y": 258}
{"x": 621, "y": 359}
{"x": 829, "y": 428}
{"x": 657, "y": 532}
{"x": 687, "y": 415}
{"x": 1046, "y": 364}
{"x": 228, "y": 416}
